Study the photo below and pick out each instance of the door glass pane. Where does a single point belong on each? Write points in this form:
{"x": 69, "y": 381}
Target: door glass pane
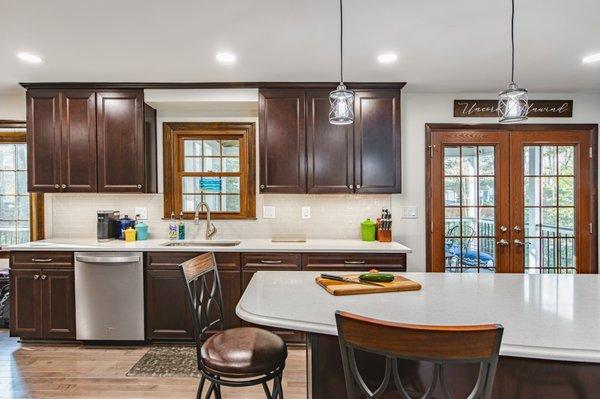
{"x": 549, "y": 213}
{"x": 469, "y": 196}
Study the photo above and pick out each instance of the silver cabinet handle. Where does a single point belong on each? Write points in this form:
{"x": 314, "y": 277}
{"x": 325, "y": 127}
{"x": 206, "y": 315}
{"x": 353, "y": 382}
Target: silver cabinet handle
{"x": 262, "y": 186}
{"x": 502, "y": 243}
{"x": 517, "y": 228}
{"x": 63, "y": 186}
{"x": 358, "y": 186}
{"x": 36, "y": 276}
{"x": 518, "y": 242}
{"x": 107, "y": 259}
{"x": 56, "y": 186}
{"x": 271, "y": 262}
{"x": 139, "y": 186}
{"x": 354, "y": 262}
{"x": 503, "y": 229}
{"x": 41, "y": 260}
{"x": 351, "y": 186}
{"x": 44, "y": 276}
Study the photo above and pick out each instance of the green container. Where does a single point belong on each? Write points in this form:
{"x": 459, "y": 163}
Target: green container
{"x": 367, "y": 230}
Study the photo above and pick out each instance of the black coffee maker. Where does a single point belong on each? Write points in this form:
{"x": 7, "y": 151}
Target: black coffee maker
{"x": 108, "y": 225}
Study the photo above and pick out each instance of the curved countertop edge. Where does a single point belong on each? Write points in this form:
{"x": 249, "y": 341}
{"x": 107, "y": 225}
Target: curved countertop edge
{"x": 247, "y": 245}
{"x": 532, "y": 352}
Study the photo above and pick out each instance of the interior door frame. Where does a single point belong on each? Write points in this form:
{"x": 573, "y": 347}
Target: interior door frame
{"x": 523, "y": 127}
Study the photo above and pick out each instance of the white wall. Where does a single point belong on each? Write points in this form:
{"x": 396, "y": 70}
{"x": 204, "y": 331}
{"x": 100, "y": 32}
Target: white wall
{"x": 421, "y": 108}
{"x": 12, "y": 106}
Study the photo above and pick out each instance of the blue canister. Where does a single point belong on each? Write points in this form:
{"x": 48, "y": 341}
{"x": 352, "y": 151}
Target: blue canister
{"x": 141, "y": 230}
{"x": 124, "y": 223}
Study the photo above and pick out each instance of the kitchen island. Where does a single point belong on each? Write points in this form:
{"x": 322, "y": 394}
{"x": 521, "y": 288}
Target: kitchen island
{"x": 550, "y": 348}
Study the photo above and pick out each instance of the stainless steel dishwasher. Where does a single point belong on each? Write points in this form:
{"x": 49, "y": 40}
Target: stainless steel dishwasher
{"x": 109, "y": 296}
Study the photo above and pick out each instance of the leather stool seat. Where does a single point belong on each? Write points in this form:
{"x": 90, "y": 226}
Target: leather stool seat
{"x": 243, "y": 352}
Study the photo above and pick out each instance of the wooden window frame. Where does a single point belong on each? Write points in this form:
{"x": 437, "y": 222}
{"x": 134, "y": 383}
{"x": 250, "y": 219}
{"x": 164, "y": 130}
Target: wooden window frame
{"x": 36, "y": 200}
{"x": 173, "y": 135}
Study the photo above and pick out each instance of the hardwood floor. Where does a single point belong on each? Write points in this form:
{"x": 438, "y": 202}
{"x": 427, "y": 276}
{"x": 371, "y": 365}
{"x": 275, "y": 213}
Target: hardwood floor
{"x": 75, "y": 371}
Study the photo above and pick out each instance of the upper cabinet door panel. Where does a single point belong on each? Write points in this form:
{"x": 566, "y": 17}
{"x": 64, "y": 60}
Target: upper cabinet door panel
{"x": 120, "y": 141}
{"x": 377, "y": 141}
{"x": 282, "y": 141}
{"x": 329, "y": 148}
{"x": 78, "y": 110}
{"x": 43, "y": 140}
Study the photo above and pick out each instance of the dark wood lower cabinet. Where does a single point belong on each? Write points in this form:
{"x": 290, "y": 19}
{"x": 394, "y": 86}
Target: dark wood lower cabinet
{"x": 25, "y": 305}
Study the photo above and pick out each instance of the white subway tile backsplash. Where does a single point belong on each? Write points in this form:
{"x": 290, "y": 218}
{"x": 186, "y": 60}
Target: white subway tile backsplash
{"x": 332, "y": 216}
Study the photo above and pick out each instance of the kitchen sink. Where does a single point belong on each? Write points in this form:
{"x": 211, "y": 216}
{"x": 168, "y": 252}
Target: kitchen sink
{"x": 201, "y": 243}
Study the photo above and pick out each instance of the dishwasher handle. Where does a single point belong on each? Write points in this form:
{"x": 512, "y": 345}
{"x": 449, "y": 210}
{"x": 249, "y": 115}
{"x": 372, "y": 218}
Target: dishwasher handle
{"x": 107, "y": 259}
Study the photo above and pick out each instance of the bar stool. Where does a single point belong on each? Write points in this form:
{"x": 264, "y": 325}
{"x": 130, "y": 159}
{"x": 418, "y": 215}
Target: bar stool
{"x": 237, "y": 357}
{"x": 439, "y": 345}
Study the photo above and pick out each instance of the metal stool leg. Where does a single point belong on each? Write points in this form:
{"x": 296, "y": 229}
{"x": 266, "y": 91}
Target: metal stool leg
{"x": 200, "y": 388}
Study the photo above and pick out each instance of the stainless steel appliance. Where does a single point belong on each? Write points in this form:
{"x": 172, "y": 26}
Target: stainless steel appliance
{"x": 109, "y": 296}
{"x": 108, "y": 225}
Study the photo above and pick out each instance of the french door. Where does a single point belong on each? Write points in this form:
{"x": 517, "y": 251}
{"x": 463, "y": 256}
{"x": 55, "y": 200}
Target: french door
{"x": 512, "y": 198}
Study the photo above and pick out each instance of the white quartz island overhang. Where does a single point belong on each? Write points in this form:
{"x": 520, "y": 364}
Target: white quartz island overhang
{"x": 554, "y": 317}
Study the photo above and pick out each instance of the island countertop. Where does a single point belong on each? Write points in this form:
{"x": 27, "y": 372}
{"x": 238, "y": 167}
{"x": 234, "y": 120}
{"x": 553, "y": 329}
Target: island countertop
{"x": 245, "y": 245}
{"x": 555, "y": 317}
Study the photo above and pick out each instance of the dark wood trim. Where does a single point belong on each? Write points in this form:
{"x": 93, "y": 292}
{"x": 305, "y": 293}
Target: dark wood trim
{"x": 12, "y": 124}
{"x": 593, "y": 131}
{"x": 12, "y": 137}
{"x": 171, "y": 133}
{"x": 208, "y": 85}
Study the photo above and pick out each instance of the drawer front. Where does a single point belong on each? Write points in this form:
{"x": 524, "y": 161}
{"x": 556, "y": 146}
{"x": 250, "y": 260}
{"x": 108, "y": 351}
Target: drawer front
{"x": 271, "y": 261}
{"x": 35, "y": 259}
{"x": 172, "y": 260}
{"x": 360, "y": 262}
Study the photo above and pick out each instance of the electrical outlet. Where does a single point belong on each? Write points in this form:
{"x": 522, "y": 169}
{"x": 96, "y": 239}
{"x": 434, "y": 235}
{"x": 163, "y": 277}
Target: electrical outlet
{"x": 143, "y": 212}
{"x": 306, "y": 212}
{"x": 268, "y": 212}
{"x": 410, "y": 212}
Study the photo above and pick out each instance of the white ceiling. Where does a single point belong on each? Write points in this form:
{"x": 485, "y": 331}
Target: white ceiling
{"x": 442, "y": 45}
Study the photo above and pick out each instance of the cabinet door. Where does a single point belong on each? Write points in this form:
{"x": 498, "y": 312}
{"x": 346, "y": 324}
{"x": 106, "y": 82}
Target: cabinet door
{"x": 377, "y": 166}
{"x": 231, "y": 289}
{"x": 25, "y": 303}
{"x": 120, "y": 132}
{"x": 43, "y": 141}
{"x": 78, "y": 114}
{"x": 329, "y": 148}
{"x": 282, "y": 141}
{"x": 58, "y": 302}
{"x": 167, "y": 311}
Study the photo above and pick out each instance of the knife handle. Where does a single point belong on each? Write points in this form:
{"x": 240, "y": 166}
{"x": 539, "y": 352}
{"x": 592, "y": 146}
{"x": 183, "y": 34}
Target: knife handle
{"x": 332, "y": 277}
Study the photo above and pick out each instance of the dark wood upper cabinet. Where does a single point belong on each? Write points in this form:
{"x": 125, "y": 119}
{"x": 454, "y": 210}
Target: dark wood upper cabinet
{"x": 329, "y": 148}
{"x": 78, "y": 141}
{"x": 121, "y": 160}
{"x": 377, "y": 166}
{"x": 43, "y": 140}
{"x": 282, "y": 141}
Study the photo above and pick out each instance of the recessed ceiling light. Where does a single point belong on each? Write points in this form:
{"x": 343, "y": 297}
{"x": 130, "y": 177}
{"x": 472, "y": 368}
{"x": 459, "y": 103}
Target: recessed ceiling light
{"x": 591, "y": 58}
{"x": 387, "y": 58}
{"x": 226, "y": 58}
{"x": 31, "y": 58}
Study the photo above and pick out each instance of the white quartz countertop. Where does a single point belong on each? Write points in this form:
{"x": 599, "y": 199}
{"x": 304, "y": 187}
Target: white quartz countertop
{"x": 544, "y": 316}
{"x": 246, "y": 245}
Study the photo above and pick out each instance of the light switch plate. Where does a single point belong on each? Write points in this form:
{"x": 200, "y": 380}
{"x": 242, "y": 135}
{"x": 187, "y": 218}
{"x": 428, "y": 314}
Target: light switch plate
{"x": 306, "y": 212}
{"x": 410, "y": 212}
{"x": 142, "y": 211}
{"x": 268, "y": 212}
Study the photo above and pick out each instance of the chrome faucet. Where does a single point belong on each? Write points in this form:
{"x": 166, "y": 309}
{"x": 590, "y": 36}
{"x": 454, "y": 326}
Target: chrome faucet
{"x": 210, "y": 228}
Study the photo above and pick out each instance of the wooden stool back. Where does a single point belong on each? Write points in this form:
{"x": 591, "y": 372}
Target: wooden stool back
{"x": 440, "y": 345}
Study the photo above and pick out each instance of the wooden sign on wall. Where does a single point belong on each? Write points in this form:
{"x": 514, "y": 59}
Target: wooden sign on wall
{"x": 489, "y": 108}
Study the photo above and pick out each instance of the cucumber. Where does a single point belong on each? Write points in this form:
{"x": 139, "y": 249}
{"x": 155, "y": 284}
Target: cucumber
{"x": 377, "y": 277}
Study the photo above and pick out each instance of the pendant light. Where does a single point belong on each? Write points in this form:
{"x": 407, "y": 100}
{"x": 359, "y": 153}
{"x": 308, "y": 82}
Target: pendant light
{"x": 341, "y": 99}
{"x": 513, "y": 103}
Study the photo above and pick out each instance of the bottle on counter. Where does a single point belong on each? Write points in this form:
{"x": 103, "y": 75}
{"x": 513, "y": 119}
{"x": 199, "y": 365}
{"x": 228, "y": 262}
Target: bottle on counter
{"x": 181, "y": 227}
{"x": 172, "y": 227}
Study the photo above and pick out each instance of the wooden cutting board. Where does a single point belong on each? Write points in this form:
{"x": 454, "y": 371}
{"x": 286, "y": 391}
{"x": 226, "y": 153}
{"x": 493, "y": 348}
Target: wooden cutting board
{"x": 341, "y": 288}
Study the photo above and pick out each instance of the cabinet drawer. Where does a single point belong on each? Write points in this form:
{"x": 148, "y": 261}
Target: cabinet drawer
{"x": 172, "y": 260}
{"x": 34, "y": 259}
{"x": 341, "y": 261}
{"x": 271, "y": 261}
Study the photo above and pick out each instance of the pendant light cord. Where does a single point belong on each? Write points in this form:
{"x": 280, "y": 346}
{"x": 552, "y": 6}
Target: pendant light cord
{"x": 342, "y": 44}
{"x": 512, "y": 42}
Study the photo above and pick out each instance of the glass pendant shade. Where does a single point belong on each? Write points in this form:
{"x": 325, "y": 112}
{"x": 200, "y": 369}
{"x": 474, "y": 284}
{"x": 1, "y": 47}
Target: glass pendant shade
{"x": 342, "y": 106}
{"x": 513, "y": 104}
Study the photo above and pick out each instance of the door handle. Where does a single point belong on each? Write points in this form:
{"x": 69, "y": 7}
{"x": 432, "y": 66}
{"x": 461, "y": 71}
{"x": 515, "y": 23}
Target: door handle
{"x": 518, "y": 242}
{"x": 107, "y": 259}
{"x": 502, "y": 243}
{"x": 271, "y": 262}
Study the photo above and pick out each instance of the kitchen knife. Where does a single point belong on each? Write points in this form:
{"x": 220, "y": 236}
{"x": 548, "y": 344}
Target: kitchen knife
{"x": 348, "y": 280}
